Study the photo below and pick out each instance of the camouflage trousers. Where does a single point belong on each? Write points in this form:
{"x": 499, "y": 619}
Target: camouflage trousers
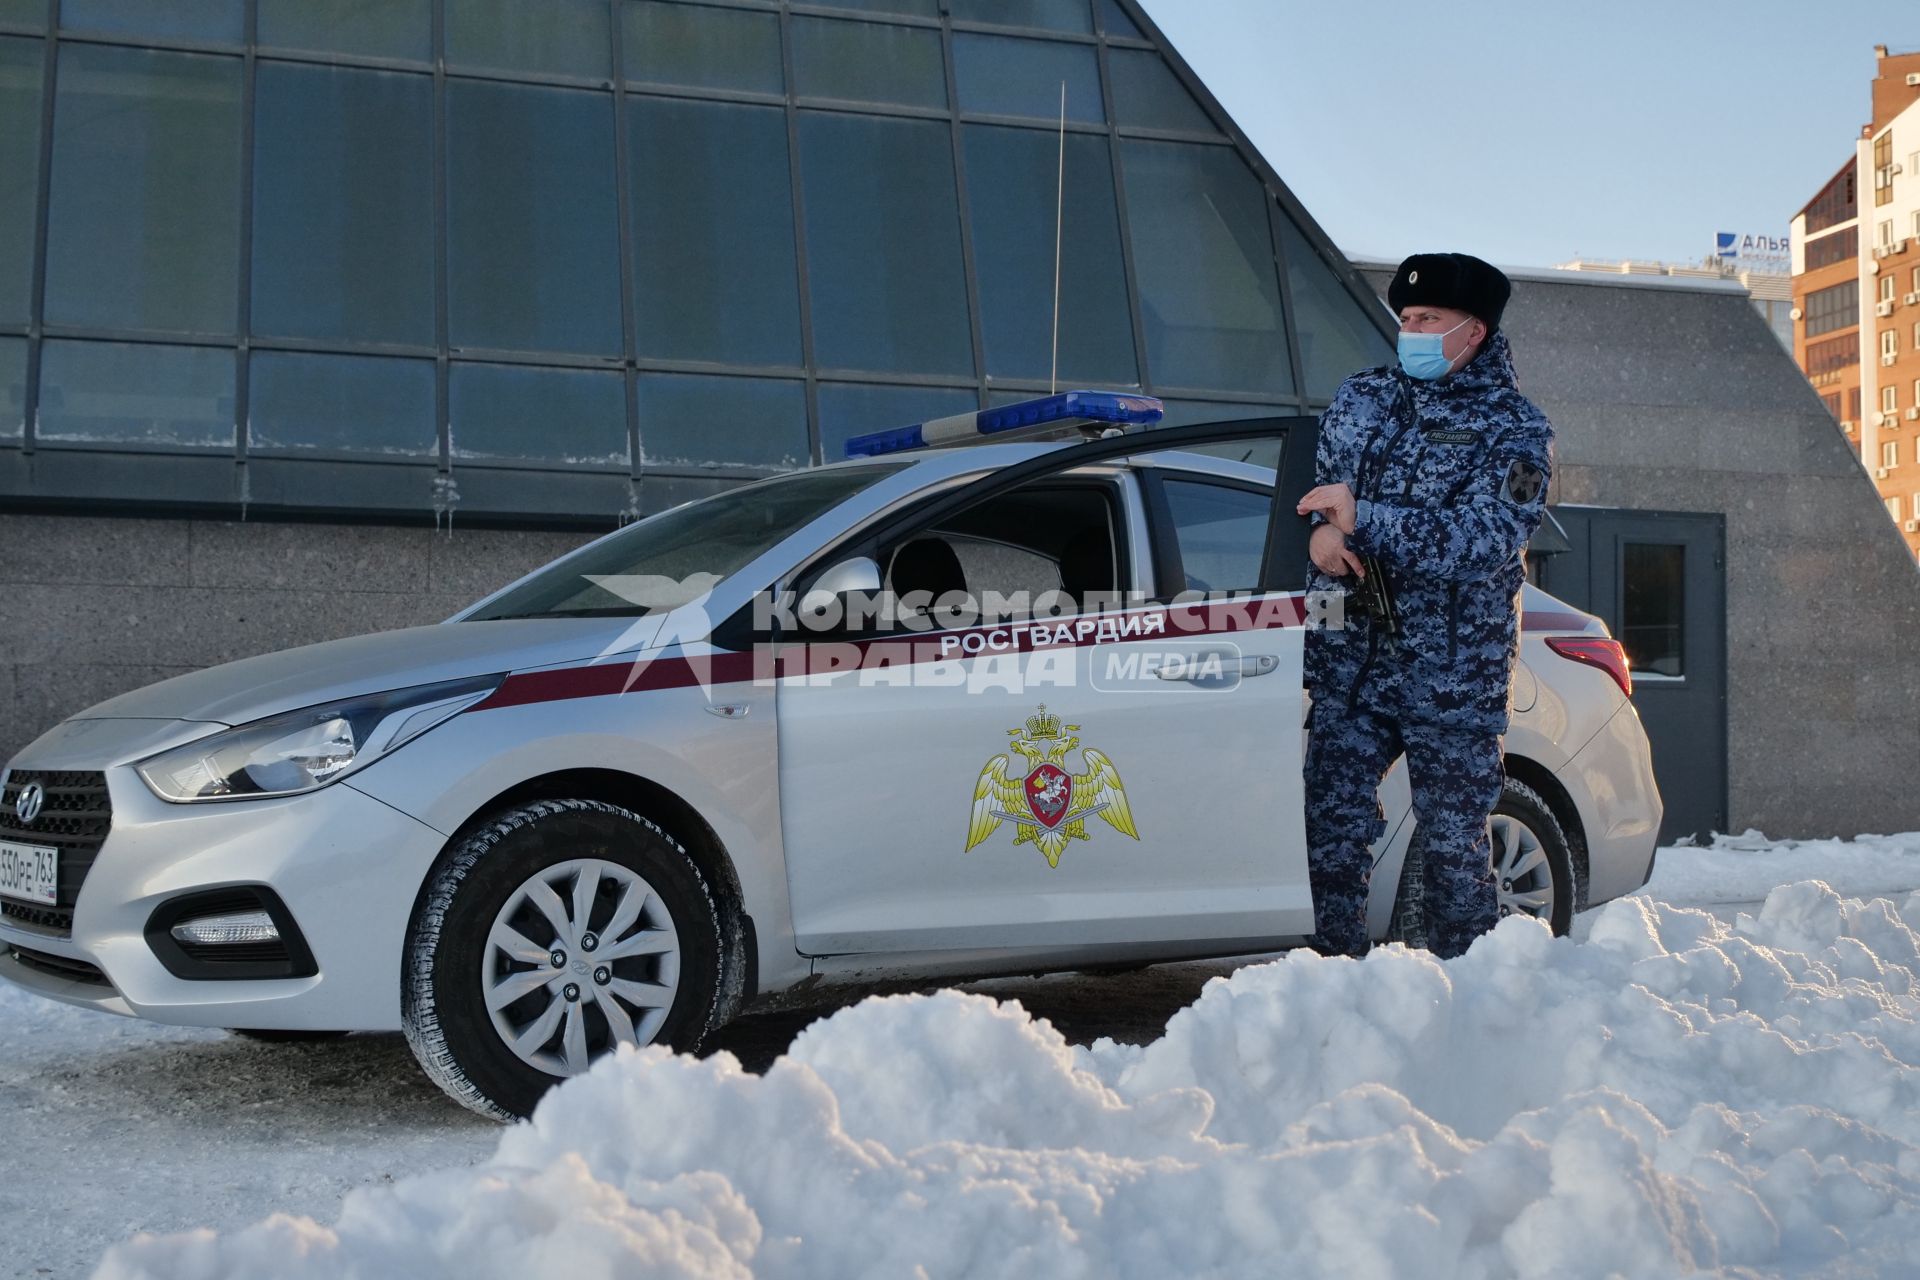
{"x": 1456, "y": 776}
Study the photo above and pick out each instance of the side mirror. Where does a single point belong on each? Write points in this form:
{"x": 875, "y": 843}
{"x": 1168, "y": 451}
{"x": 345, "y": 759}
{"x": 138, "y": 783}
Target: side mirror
{"x": 858, "y": 574}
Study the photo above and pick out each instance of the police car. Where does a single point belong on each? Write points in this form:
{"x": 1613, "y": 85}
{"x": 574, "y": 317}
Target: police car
{"x": 927, "y": 713}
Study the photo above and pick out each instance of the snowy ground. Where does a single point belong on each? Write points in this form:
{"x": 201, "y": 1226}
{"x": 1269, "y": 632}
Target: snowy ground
{"x": 1675, "y": 1092}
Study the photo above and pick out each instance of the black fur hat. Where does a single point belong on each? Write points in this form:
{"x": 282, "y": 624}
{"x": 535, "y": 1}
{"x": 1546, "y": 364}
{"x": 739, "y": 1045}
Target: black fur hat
{"x": 1457, "y": 280}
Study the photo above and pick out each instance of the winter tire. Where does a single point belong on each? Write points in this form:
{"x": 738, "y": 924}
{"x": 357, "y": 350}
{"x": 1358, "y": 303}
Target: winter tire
{"x": 548, "y": 935}
{"x": 1532, "y": 858}
{"x": 1532, "y": 867}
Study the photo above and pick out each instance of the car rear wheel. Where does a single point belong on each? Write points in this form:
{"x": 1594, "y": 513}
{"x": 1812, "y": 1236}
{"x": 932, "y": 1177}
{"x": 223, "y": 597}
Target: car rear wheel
{"x": 1532, "y": 858}
{"x": 1532, "y": 867}
{"x": 547, "y": 937}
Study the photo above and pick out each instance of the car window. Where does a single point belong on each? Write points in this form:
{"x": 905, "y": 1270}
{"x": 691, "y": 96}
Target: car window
{"x": 1043, "y": 548}
{"x": 1221, "y": 532}
{"x": 672, "y": 558}
{"x": 1006, "y": 565}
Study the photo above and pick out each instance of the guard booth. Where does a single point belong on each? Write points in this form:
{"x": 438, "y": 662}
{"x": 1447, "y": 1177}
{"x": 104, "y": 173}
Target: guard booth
{"x": 1658, "y": 580}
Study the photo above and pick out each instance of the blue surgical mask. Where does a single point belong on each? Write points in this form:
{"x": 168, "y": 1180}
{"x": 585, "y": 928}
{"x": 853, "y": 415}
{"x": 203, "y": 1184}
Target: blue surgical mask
{"x": 1421, "y": 355}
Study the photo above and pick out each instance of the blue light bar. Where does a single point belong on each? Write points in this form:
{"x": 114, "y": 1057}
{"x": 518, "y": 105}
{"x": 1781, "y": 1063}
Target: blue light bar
{"x": 1057, "y": 412}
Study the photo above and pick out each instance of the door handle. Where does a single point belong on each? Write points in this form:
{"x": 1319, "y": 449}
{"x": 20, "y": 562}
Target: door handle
{"x": 1212, "y": 666}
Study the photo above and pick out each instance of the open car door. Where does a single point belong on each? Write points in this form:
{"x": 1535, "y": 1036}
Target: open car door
{"x": 1118, "y": 764}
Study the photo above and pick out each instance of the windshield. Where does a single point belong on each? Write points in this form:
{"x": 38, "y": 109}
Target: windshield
{"x": 675, "y": 557}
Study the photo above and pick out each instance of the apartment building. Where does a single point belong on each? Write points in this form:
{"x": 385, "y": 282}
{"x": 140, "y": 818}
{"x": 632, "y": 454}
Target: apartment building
{"x": 1856, "y": 288}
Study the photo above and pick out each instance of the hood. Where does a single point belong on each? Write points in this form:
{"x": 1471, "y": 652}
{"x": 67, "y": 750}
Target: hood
{"x": 238, "y": 692}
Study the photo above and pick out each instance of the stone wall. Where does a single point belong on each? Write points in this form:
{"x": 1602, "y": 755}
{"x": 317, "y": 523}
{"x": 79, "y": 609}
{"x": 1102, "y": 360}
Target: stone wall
{"x": 93, "y": 606}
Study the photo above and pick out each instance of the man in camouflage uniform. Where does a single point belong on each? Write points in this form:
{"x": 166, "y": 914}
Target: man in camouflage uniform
{"x": 1431, "y": 476}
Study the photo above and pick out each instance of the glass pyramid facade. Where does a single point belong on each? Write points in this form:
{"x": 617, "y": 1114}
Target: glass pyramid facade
{"x": 571, "y": 260}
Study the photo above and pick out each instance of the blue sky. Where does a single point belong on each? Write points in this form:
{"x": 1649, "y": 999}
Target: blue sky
{"x": 1528, "y": 133}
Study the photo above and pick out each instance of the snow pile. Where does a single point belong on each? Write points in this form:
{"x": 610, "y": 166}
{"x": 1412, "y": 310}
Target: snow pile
{"x": 1672, "y": 1096}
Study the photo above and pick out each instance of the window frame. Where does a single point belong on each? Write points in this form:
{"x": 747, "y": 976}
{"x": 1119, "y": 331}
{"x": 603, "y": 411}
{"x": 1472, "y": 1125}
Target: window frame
{"x": 1287, "y": 533}
{"x": 1831, "y": 309}
{"x": 1170, "y": 565}
{"x": 881, "y": 549}
{"x": 1623, "y": 547}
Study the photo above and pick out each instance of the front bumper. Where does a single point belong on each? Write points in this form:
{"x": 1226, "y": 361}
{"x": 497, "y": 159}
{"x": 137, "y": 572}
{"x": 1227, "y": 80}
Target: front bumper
{"x": 347, "y": 867}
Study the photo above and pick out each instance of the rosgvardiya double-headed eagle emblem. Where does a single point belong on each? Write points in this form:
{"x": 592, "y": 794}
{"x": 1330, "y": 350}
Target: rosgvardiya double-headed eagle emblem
{"x": 1047, "y": 805}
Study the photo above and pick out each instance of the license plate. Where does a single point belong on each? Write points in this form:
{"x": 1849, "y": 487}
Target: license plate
{"x": 30, "y": 872}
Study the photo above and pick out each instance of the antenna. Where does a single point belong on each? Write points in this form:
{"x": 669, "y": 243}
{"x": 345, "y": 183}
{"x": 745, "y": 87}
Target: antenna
{"x": 1059, "y": 219}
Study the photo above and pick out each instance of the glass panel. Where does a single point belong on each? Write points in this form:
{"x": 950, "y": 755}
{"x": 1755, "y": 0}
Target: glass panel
{"x": 849, "y": 409}
{"x": 1180, "y": 413}
{"x": 1048, "y": 15}
{"x": 868, "y": 62}
{"x": 915, "y": 8}
{"x": 144, "y": 224}
{"x": 369, "y": 28}
{"x": 138, "y": 392}
{"x": 688, "y": 546}
{"x": 1653, "y": 607}
{"x": 1003, "y": 75}
{"x": 343, "y": 204}
{"x": 883, "y": 245}
{"x": 1012, "y": 183}
{"x": 13, "y": 388}
{"x": 170, "y": 19}
{"x": 738, "y": 422}
{"x": 1115, "y": 22}
{"x": 20, "y": 63}
{"x": 24, "y": 13}
{"x": 1222, "y": 534}
{"x": 1209, "y": 294}
{"x": 359, "y": 404}
{"x": 1147, "y": 95}
{"x": 713, "y": 260}
{"x": 1261, "y": 453}
{"x": 553, "y": 415}
{"x": 701, "y": 48}
{"x": 554, "y": 37}
{"x": 1336, "y": 338}
{"x": 532, "y": 241}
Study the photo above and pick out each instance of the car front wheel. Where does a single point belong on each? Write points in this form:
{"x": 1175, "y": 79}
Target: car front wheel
{"x": 548, "y": 936}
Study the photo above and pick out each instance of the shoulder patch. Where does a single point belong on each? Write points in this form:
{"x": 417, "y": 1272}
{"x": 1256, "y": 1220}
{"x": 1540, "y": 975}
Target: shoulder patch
{"x": 1524, "y": 482}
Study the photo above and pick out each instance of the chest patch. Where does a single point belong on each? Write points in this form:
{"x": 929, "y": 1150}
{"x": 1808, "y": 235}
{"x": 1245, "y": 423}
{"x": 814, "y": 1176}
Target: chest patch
{"x": 1440, "y": 436}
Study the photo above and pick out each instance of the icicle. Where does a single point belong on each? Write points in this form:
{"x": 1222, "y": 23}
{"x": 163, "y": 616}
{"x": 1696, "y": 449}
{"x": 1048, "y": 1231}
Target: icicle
{"x": 446, "y": 496}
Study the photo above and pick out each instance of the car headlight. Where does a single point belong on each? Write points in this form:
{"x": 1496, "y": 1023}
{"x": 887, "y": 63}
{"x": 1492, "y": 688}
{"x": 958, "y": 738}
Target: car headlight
{"x": 304, "y": 750}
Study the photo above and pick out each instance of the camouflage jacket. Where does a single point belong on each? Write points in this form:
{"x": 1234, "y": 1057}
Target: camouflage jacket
{"x": 1451, "y": 478}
